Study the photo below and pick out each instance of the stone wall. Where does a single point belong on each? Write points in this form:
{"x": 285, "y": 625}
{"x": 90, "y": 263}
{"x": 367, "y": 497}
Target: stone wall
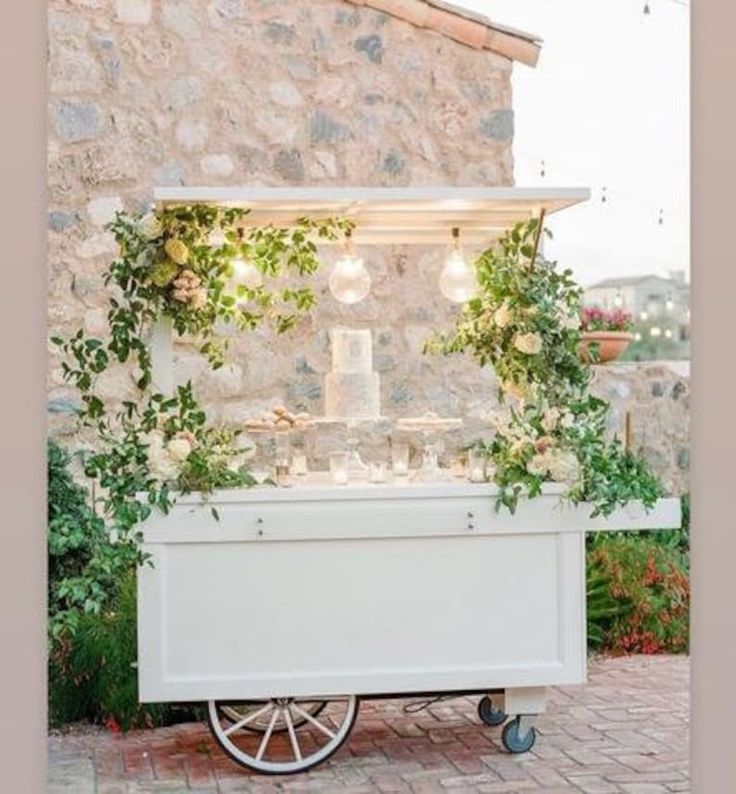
{"x": 185, "y": 92}
{"x": 147, "y": 93}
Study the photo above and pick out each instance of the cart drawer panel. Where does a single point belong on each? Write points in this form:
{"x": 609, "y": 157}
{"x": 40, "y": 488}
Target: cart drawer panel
{"x": 402, "y": 516}
{"x": 238, "y": 620}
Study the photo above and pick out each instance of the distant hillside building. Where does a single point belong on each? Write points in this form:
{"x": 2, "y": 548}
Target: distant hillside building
{"x": 646, "y": 297}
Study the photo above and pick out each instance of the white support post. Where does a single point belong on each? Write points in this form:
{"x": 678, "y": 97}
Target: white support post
{"x": 162, "y": 356}
{"x": 524, "y": 700}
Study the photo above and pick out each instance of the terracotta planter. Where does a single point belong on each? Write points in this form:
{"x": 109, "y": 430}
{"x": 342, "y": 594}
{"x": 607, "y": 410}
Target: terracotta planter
{"x": 611, "y": 344}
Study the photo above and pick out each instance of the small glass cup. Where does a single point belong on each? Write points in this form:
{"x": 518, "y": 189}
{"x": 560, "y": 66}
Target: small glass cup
{"x": 378, "y": 472}
{"x": 400, "y": 459}
{"x": 283, "y": 473}
{"x": 339, "y": 468}
{"x": 476, "y": 466}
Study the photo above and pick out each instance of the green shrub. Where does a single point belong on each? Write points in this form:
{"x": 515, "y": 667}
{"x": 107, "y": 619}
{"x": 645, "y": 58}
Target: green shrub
{"x": 92, "y": 672}
{"x": 638, "y": 595}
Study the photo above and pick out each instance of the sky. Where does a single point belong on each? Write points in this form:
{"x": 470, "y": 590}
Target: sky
{"x": 606, "y": 106}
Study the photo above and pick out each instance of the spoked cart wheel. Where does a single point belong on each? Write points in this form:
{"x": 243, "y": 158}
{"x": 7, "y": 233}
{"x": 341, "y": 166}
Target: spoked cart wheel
{"x": 297, "y": 735}
{"x": 489, "y": 714}
{"x": 234, "y": 712}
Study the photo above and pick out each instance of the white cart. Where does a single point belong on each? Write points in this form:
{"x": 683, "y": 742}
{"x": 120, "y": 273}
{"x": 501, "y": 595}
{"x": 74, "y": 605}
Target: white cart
{"x": 297, "y": 603}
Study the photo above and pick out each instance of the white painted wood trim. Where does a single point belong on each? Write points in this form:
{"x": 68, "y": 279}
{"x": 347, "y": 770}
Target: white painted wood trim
{"x": 162, "y": 356}
{"x": 420, "y": 215}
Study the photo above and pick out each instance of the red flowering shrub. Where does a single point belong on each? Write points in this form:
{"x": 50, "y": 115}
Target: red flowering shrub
{"x": 596, "y": 319}
{"x": 638, "y": 596}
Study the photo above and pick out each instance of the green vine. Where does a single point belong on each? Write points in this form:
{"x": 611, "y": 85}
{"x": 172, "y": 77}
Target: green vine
{"x": 525, "y": 323}
{"x": 177, "y": 263}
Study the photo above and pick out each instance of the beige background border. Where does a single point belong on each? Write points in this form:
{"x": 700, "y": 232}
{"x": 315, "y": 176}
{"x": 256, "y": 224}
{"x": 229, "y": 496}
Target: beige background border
{"x": 22, "y": 335}
{"x": 22, "y": 414}
{"x": 713, "y": 114}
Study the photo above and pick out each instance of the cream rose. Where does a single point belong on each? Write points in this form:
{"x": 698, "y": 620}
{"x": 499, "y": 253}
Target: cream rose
{"x": 529, "y": 344}
{"x": 149, "y": 226}
{"x": 538, "y": 465}
{"x": 563, "y": 466}
{"x": 550, "y": 419}
{"x": 177, "y": 251}
{"x": 502, "y": 315}
{"x": 179, "y": 449}
{"x": 161, "y": 464}
{"x": 198, "y": 298}
{"x": 518, "y": 390}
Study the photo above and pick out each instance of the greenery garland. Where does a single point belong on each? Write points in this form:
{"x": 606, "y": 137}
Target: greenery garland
{"x": 525, "y": 323}
{"x": 175, "y": 263}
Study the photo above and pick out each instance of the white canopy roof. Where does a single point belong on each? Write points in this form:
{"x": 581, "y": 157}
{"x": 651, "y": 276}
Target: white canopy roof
{"x": 423, "y": 215}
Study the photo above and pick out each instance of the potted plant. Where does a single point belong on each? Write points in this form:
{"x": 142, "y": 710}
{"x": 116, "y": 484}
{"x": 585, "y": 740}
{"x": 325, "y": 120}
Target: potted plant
{"x": 605, "y": 334}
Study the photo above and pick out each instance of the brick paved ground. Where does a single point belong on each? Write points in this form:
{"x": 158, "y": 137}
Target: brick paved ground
{"x": 625, "y": 731}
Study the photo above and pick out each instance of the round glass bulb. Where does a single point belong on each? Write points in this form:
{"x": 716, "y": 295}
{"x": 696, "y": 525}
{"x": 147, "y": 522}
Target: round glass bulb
{"x": 457, "y": 279}
{"x": 349, "y": 279}
{"x": 245, "y": 273}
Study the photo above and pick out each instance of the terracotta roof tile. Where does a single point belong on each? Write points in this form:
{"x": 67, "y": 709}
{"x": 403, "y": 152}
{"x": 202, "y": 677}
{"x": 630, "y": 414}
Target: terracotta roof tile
{"x": 462, "y": 25}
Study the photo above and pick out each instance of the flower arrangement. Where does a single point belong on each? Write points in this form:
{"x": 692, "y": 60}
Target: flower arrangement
{"x": 526, "y": 323}
{"x": 177, "y": 263}
{"x": 596, "y": 319}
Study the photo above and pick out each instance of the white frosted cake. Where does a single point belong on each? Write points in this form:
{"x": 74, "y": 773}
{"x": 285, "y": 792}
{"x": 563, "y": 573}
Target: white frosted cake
{"x": 352, "y": 389}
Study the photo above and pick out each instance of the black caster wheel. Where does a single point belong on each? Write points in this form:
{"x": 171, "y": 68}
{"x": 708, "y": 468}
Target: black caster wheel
{"x": 515, "y": 743}
{"x": 490, "y": 715}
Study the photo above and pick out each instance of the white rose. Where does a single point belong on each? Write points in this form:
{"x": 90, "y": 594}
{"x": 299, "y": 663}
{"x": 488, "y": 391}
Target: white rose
{"x": 179, "y": 449}
{"x": 563, "y": 466}
{"x": 161, "y": 465}
{"x": 567, "y": 420}
{"x": 502, "y": 315}
{"x": 550, "y": 419}
{"x": 538, "y": 465}
{"x": 572, "y": 322}
{"x": 150, "y": 227}
{"x": 530, "y": 343}
{"x": 154, "y": 438}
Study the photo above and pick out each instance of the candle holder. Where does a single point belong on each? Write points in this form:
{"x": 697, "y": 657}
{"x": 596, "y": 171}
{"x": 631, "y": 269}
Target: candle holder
{"x": 400, "y": 459}
{"x": 476, "y": 466}
{"x": 339, "y": 468}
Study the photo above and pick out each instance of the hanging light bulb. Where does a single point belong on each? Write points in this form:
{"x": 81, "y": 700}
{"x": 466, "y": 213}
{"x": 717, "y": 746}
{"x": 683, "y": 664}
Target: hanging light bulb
{"x": 647, "y": 10}
{"x": 618, "y": 301}
{"x": 669, "y": 303}
{"x": 349, "y": 279}
{"x": 457, "y": 279}
{"x": 243, "y": 271}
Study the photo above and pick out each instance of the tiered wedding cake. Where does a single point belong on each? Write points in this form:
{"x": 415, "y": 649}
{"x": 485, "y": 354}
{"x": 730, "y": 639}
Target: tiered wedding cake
{"x": 352, "y": 389}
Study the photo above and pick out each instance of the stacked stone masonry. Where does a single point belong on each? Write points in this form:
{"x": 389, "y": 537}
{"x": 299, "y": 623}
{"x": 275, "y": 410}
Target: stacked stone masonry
{"x": 229, "y": 92}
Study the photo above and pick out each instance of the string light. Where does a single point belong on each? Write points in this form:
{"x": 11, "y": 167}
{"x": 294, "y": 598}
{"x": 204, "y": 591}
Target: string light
{"x": 660, "y": 219}
{"x": 243, "y": 271}
{"x": 349, "y": 280}
{"x": 457, "y": 279}
{"x": 604, "y": 196}
{"x": 542, "y": 171}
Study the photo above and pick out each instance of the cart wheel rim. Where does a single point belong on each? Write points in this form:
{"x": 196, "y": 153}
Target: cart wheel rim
{"x": 515, "y": 743}
{"x": 296, "y": 749}
{"x": 489, "y": 714}
{"x": 235, "y": 712}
